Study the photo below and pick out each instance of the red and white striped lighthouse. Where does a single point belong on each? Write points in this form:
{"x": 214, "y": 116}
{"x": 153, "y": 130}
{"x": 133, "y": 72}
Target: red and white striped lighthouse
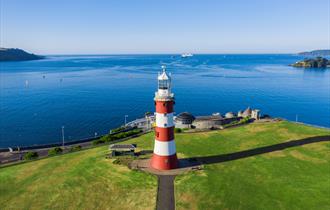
{"x": 164, "y": 156}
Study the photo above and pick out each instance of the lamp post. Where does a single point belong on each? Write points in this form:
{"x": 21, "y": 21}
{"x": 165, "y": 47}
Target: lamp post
{"x": 126, "y": 119}
{"x": 63, "y": 137}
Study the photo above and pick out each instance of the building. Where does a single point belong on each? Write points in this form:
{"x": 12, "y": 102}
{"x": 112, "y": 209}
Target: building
{"x": 247, "y": 112}
{"x": 207, "y": 122}
{"x": 239, "y": 113}
{"x": 164, "y": 156}
{"x": 122, "y": 149}
{"x": 143, "y": 123}
{"x": 184, "y": 120}
{"x": 255, "y": 114}
{"x": 229, "y": 115}
{"x": 212, "y": 121}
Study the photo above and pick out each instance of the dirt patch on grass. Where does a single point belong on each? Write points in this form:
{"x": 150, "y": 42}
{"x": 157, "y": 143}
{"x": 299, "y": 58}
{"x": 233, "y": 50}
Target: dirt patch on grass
{"x": 319, "y": 147}
{"x": 256, "y": 128}
{"x": 291, "y": 135}
{"x": 186, "y": 201}
{"x": 275, "y": 154}
{"x": 300, "y": 156}
{"x": 248, "y": 145}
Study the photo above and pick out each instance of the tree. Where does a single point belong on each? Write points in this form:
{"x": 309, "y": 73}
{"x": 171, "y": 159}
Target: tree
{"x": 55, "y": 151}
{"x": 30, "y": 155}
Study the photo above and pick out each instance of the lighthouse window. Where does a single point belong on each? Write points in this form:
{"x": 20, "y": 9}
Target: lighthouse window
{"x": 163, "y": 84}
{"x": 165, "y": 114}
{"x": 157, "y": 134}
{"x": 165, "y": 124}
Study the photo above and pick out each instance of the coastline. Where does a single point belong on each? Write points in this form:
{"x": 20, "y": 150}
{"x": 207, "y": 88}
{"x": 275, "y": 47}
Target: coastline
{"x": 88, "y": 140}
{"x": 9, "y": 158}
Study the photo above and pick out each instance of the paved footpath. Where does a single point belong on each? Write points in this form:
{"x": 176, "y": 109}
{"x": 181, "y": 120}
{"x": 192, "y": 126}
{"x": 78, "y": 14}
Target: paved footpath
{"x": 165, "y": 194}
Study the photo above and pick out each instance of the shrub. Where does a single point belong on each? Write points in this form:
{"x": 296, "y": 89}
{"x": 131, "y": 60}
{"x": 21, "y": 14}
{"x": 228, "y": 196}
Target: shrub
{"x": 126, "y": 161}
{"x": 75, "y": 148}
{"x": 55, "y": 151}
{"x": 115, "y": 130}
{"x": 125, "y": 134}
{"x": 30, "y": 155}
{"x": 105, "y": 138}
{"x": 177, "y": 130}
{"x": 98, "y": 141}
{"x": 147, "y": 114}
{"x": 113, "y": 137}
{"x": 242, "y": 121}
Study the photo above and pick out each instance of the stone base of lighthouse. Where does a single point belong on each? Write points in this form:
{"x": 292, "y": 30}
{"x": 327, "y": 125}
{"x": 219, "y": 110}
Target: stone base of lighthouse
{"x": 164, "y": 162}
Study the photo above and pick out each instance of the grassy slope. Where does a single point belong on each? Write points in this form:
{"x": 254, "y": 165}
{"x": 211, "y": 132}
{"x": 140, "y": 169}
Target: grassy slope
{"x": 294, "y": 178}
{"x": 81, "y": 180}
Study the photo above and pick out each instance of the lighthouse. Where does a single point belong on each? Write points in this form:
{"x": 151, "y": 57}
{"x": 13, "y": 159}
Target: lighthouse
{"x": 164, "y": 156}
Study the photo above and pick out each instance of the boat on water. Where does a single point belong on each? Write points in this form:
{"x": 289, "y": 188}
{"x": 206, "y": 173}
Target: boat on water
{"x": 186, "y": 55}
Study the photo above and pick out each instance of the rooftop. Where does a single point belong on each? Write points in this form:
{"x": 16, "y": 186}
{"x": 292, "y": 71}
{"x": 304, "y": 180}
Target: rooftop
{"x": 212, "y": 117}
{"x": 247, "y": 111}
{"x": 164, "y": 75}
{"x": 185, "y": 116}
{"x": 122, "y": 146}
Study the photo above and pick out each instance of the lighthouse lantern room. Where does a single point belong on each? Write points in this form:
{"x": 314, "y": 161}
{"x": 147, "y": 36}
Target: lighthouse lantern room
{"x": 164, "y": 155}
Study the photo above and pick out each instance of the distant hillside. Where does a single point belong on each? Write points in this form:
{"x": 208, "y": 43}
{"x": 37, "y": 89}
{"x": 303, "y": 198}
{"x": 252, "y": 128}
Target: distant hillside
{"x": 317, "y": 62}
{"x": 15, "y": 54}
{"x": 316, "y": 53}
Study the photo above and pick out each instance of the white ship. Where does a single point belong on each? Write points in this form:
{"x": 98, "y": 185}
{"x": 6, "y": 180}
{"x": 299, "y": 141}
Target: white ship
{"x": 186, "y": 55}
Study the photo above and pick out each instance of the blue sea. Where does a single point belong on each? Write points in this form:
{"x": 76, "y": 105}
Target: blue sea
{"x": 91, "y": 94}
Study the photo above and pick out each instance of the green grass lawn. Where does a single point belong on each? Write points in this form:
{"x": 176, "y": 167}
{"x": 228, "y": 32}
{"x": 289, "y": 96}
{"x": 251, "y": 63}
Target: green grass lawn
{"x": 295, "y": 178}
{"x": 80, "y": 180}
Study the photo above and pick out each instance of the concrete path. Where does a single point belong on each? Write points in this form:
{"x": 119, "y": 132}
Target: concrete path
{"x": 165, "y": 194}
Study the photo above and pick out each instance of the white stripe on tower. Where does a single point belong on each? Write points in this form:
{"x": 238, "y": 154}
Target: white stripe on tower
{"x": 164, "y": 148}
{"x": 164, "y": 120}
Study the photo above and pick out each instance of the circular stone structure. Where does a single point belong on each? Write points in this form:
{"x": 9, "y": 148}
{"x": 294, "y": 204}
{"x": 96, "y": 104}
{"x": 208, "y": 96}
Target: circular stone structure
{"x": 229, "y": 115}
{"x": 184, "y": 118}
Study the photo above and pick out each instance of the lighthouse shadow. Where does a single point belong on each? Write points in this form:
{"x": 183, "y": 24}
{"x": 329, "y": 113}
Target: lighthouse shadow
{"x": 197, "y": 161}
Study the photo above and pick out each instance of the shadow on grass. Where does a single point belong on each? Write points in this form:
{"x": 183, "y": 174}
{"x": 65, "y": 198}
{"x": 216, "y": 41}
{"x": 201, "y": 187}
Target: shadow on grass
{"x": 194, "y": 161}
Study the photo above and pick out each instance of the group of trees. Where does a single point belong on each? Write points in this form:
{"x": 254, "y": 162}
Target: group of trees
{"x": 240, "y": 122}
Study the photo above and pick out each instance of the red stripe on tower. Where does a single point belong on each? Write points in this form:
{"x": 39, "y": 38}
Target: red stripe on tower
{"x": 164, "y": 156}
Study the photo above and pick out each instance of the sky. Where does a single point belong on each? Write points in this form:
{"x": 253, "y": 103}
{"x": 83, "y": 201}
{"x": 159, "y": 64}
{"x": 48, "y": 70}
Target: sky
{"x": 159, "y": 26}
